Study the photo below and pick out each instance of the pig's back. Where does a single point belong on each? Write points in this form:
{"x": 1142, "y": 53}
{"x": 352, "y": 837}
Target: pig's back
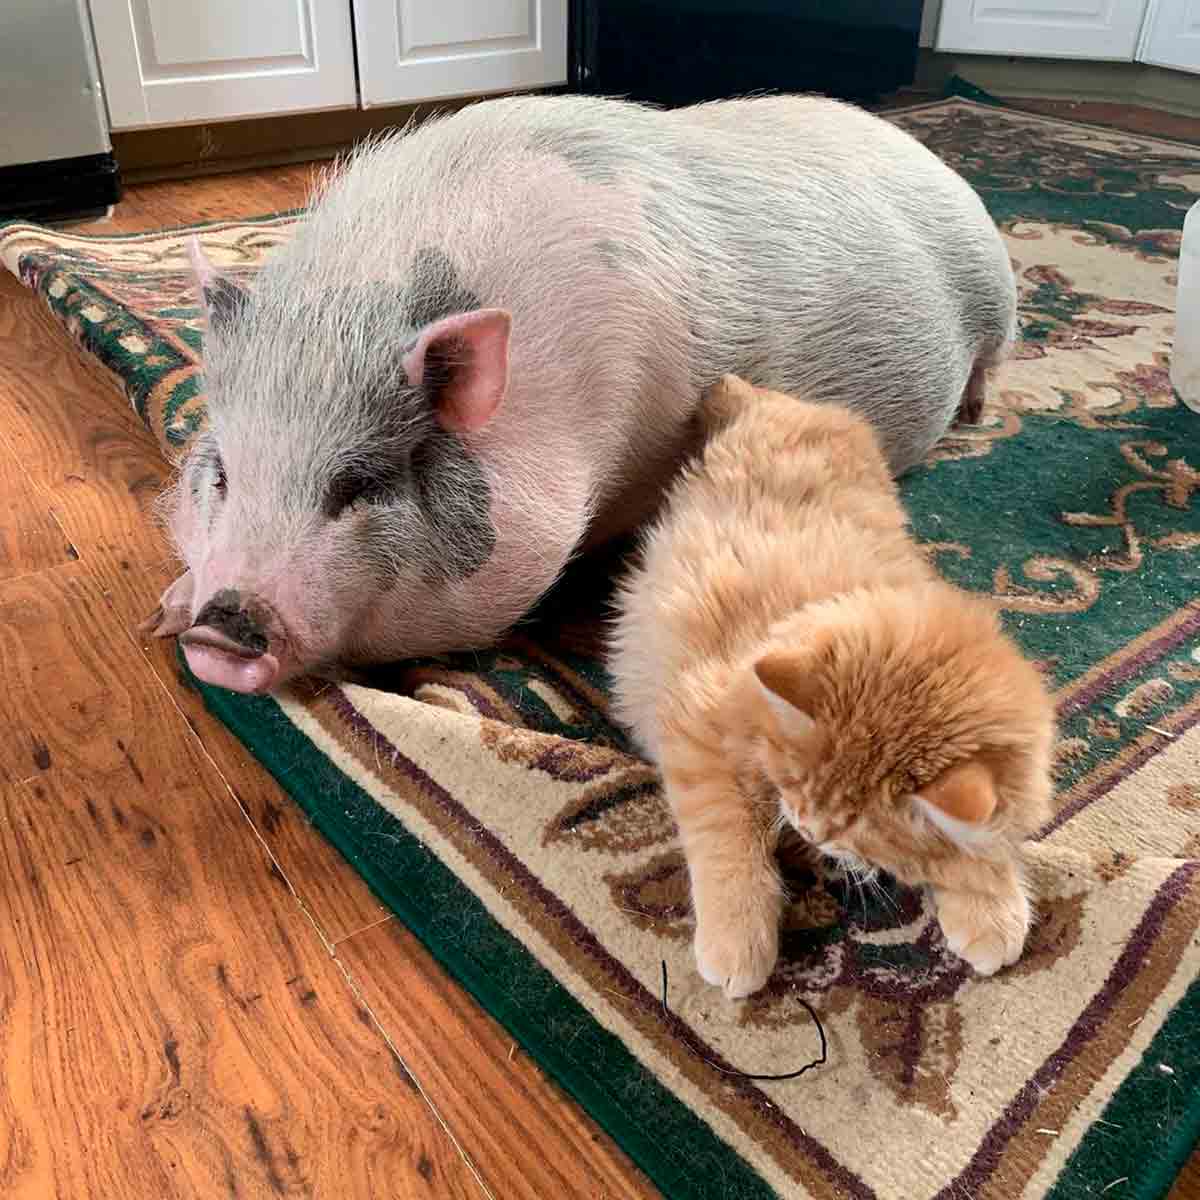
{"x": 870, "y": 273}
{"x": 800, "y": 243}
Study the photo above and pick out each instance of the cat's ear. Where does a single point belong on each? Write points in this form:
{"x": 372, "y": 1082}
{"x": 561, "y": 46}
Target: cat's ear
{"x": 961, "y": 797}
{"x": 786, "y": 686}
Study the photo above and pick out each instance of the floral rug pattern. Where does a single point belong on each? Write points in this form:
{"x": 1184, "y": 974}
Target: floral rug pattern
{"x": 492, "y": 804}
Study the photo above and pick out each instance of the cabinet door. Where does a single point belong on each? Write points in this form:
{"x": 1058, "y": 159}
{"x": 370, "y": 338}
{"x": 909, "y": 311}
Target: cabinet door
{"x": 1095, "y": 29}
{"x": 1172, "y": 35}
{"x": 164, "y": 62}
{"x": 411, "y": 50}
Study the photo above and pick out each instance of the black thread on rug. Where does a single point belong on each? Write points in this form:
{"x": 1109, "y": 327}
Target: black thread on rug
{"x": 808, "y": 1008}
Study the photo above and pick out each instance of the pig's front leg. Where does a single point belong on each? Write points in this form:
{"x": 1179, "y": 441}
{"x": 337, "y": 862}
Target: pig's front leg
{"x": 174, "y": 612}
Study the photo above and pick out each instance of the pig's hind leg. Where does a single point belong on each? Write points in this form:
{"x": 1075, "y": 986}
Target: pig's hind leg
{"x": 970, "y": 407}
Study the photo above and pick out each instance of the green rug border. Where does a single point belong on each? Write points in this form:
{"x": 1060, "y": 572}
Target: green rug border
{"x": 1129, "y": 1129}
{"x": 262, "y": 726}
{"x": 958, "y": 88}
{"x": 264, "y": 729}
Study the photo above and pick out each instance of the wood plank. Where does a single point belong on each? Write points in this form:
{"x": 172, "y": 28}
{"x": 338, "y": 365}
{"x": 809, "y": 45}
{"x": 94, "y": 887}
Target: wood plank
{"x": 1187, "y": 1185}
{"x": 489, "y": 1090}
{"x": 30, "y": 539}
{"x": 170, "y": 1024}
{"x": 330, "y": 890}
{"x": 231, "y": 196}
{"x": 99, "y": 470}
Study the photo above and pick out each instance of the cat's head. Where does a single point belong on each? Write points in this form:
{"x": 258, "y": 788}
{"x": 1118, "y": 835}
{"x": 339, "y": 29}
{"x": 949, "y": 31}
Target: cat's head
{"x": 903, "y": 724}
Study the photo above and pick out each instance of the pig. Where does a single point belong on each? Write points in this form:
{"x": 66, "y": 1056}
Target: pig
{"x": 480, "y": 353}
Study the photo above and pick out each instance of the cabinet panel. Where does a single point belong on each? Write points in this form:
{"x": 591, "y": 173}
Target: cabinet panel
{"x": 167, "y": 63}
{"x": 411, "y": 50}
{"x": 1172, "y": 35}
{"x": 1095, "y": 29}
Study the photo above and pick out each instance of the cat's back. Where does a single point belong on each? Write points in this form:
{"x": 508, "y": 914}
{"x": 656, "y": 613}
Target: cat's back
{"x": 788, "y": 503}
{"x": 798, "y": 494}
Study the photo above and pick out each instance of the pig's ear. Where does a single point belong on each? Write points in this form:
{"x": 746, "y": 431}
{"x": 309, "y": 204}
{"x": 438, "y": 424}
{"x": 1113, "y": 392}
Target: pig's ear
{"x": 222, "y": 298}
{"x": 462, "y": 361}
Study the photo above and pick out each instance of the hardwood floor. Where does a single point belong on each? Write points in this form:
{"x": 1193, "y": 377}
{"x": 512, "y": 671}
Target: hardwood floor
{"x": 197, "y": 996}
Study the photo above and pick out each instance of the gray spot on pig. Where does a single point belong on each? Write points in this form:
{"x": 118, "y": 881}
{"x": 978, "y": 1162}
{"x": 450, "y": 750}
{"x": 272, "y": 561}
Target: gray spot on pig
{"x": 429, "y": 501}
{"x": 612, "y": 254}
{"x": 456, "y": 501}
{"x": 435, "y": 290}
{"x": 373, "y": 479}
{"x": 594, "y": 160}
{"x": 197, "y": 478}
{"x": 434, "y": 508}
{"x": 225, "y": 302}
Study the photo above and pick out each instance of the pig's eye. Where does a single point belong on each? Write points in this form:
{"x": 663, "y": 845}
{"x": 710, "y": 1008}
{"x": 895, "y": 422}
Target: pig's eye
{"x": 355, "y": 486}
{"x": 219, "y": 481}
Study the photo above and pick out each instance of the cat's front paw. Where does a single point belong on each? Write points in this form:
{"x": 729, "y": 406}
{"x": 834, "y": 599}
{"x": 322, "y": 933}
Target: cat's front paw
{"x": 987, "y": 932}
{"x": 738, "y": 955}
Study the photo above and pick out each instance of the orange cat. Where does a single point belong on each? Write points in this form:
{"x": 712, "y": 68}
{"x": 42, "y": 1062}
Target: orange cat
{"x": 787, "y": 656}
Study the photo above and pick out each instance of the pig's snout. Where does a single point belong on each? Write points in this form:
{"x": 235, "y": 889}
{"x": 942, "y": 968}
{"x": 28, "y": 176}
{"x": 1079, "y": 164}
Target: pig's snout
{"x": 236, "y": 627}
{"x": 229, "y": 644}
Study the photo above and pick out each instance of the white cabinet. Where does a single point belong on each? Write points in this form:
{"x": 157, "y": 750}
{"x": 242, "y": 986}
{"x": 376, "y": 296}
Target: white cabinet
{"x": 411, "y": 50}
{"x": 1091, "y": 29}
{"x": 1172, "y": 35}
{"x": 167, "y": 62}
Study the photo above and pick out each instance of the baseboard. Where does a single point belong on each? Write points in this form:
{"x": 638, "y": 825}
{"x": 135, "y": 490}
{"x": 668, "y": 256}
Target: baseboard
{"x": 195, "y": 150}
{"x": 1063, "y": 79}
{"x": 185, "y": 151}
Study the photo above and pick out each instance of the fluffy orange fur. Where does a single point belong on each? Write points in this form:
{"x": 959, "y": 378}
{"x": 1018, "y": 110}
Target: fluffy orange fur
{"x": 787, "y": 655}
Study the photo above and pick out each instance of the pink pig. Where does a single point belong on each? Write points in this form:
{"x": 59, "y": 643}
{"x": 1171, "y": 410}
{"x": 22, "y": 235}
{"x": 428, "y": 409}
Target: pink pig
{"x": 480, "y": 352}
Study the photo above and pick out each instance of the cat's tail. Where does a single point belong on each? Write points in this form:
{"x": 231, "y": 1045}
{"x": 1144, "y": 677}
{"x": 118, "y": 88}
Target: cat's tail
{"x": 723, "y": 402}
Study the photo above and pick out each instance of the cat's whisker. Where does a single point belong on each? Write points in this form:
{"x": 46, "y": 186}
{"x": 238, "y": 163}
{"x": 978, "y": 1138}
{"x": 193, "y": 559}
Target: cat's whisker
{"x": 879, "y": 890}
{"x": 852, "y": 875}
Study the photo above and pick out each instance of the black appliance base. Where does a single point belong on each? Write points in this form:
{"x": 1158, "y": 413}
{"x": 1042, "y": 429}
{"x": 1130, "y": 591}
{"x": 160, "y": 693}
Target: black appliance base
{"x": 59, "y": 190}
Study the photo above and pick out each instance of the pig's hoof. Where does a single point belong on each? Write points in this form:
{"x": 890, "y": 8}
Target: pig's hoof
{"x": 165, "y": 622}
{"x": 174, "y": 612}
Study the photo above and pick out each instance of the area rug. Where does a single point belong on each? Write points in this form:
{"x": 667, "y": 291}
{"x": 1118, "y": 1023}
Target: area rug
{"x": 491, "y": 803}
